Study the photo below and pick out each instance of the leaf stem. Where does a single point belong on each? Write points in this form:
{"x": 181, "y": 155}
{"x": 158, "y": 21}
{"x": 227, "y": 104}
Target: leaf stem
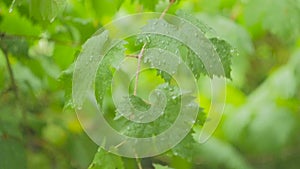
{"x": 138, "y": 162}
{"x": 138, "y": 68}
{"x": 133, "y": 56}
{"x": 13, "y": 86}
{"x": 171, "y": 2}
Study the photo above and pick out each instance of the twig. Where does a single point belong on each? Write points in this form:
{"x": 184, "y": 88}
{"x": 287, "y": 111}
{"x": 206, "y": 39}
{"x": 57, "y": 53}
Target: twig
{"x": 11, "y": 74}
{"x": 171, "y": 2}
{"x": 138, "y": 68}
{"x": 65, "y": 43}
{"x": 120, "y": 144}
{"x": 138, "y": 162}
{"x": 133, "y": 56}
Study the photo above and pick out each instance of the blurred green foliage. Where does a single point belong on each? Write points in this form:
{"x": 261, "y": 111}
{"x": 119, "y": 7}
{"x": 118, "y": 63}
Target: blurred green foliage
{"x": 41, "y": 39}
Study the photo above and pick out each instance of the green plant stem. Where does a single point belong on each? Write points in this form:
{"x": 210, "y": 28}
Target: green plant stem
{"x": 133, "y": 56}
{"x": 13, "y": 85}
{"x": 171, "y": 2}
{"x": 138, "y": 68}
{"x": 138, "y": 163}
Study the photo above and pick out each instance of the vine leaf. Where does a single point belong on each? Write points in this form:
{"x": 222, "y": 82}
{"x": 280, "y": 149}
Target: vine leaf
{"x": 203, "y": 52}
{"x": 139, "y": 103}
{"x": 164, "y": 121}
{"x": 208, "y": 31}
{"x": 106, "y": 160}
{"x": 225, "y": 51}
{"x": 160, "y": 124}
{"x": 106, "y": 69}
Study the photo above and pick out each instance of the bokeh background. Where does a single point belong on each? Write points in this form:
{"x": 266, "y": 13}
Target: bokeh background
{"x": 40, "y": 39}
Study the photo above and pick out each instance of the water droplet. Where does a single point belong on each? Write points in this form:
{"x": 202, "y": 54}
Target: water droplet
{"x": 79, "y": 108}
{"x": 52, "y": 19}
{"x": 173, "y": 97}
{"x": 91, "y": 58}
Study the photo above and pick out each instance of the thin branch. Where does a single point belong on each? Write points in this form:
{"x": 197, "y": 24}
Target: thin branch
{"x": 120, "y": 144}
{"x": 66, "y": 43}
{"x": 138, "y": 162}
{"x": 138, "y": 68}
{"x": 133, "y": 56}
{"x": 11, "y": 74}
{"x": 171, "y": 2}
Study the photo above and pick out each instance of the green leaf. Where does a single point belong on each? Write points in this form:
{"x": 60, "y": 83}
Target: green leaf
{"x": 12, "y": 154}
{"x": 170, "y": 64}
{"x": 167, "y": 63}
{"x": 187, "y": 148}
{"x": 106, "y": 160}
{"x": 100, "y": 8}
{"x": 230, "y": 31}
{"x": 158, "y": 166}
{"x": 160, "y": 124}
{"x": 14, "y": 45}
{"x": 256, "y": 118}
{"x": 149, "y": 4}
{"x": 165, "y": 120}
{"x": 208, "y": 31}
{"x": 138, "y": 103}
{"x": 274, "y": 19}
{"x": 219, "y": 153}
{"x": 225, "y": 51}
{"x": 106, "y": 69}
{"x": 82, "y": 149}
{"x": 175, "y": 39}
{"x": 88, "y": 59}
{"x": 46, "y": 9}
{"x": 12, "y": 22}
{"x": 238, "y": 37}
